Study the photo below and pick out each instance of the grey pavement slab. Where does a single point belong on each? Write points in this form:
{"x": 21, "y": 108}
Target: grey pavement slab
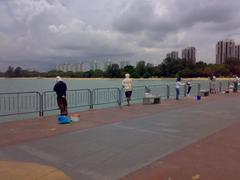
{"x": 113, "y": 151}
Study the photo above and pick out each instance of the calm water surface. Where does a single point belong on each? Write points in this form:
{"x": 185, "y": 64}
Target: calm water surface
{"x": 41, "y": 85}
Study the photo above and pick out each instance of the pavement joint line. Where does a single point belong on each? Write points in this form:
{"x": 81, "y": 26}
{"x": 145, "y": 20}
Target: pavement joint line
{"x": 136, "y": 129}
{"x": 161, "y": 132}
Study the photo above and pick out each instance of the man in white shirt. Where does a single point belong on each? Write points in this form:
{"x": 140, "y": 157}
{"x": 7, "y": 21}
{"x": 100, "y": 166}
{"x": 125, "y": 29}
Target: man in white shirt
{"x": 127, "y": 86}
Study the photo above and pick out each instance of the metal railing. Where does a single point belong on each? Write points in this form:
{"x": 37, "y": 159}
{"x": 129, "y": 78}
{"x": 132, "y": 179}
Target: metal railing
{"x": 20, "y": 103}
{"x": 75, "y": 98}
{"x": 137, "y": 93}
{"x": 159, "y": 90}
{"x": 35, "y": 102}
{"x": 106, "y": 96}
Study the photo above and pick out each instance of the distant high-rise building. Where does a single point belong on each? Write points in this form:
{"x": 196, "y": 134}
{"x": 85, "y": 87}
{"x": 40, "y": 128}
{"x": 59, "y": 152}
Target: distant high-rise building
{"x": 189, "y": 54}
{"x": 69, "y": 67}
{"x": 225, "y": 49}
{"x": 85, "y": 66}
{"x": 172, "y": 55}
{"x": 237, "y": 52}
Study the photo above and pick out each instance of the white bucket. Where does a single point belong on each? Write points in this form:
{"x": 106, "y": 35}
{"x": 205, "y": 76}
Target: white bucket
{"x": 75, "y": 117}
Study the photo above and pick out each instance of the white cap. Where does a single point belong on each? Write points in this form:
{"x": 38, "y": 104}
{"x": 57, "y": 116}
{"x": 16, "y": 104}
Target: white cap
{"x": 58, "y": 78}
{"x": 127, "y": 75}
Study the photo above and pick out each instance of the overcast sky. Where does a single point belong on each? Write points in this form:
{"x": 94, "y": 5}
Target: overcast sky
{"x": 42, "y": 33}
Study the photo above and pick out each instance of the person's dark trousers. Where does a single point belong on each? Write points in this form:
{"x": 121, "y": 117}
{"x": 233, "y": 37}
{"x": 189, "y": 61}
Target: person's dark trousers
{"x": 177, "y": 93}
{"x": 62, "y": 104}
{"x": 189, "y": 89}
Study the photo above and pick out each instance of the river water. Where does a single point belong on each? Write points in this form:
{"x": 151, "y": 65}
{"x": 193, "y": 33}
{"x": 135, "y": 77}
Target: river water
{"x": 41, "y": 85}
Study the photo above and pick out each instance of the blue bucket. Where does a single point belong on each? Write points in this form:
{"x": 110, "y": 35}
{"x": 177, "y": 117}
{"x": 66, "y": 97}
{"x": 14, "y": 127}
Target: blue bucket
{"x": 198, "y": 97}
{"x": 63, "y": 120}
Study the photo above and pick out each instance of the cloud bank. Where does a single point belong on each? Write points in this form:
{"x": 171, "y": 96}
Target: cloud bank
{"x": 41, "y": 33}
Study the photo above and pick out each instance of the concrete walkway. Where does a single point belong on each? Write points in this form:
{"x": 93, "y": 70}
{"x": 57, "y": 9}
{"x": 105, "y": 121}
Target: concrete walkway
{"x": 113, "y": 143}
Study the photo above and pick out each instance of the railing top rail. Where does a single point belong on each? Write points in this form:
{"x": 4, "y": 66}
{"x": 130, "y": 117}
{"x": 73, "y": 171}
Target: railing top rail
{"x": 26, "y": 92}
{"x": 69, "y": 90}
{"x": 139, "y": 87}
{"x": 106, "y": 88}
{"x": 157, "y": 85}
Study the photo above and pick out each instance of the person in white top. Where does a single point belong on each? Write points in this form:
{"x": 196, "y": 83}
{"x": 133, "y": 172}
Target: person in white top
{"x": 127, "y": 86}
{"x": 178, "y": 85}
{"x": 213, "y": 80}
{"x": 235, "y": 83}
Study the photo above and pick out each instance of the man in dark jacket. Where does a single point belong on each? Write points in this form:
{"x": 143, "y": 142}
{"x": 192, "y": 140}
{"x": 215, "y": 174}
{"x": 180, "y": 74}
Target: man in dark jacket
{"x": 60, "y": 88}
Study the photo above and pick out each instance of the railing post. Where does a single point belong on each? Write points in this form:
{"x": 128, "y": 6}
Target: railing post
{"x": 40, "y": 104}
{"x": 228, "y": 85}
{"x": 119, "y": 97}
{"x": 41, "y": 96}
{"x": 185, "y": 90}
{"x": 168, "y": 91}
{"x": 210, "y": 86}
{"x": 91, "y": 99}
{"x": 220, "y": 86}
{"x": 198, "y": 89}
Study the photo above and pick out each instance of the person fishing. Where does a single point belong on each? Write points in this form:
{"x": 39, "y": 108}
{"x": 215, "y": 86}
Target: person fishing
{"x": 60, "y": 88}
{"x": 189, "y": 87}
{"x": 127, "y": 86}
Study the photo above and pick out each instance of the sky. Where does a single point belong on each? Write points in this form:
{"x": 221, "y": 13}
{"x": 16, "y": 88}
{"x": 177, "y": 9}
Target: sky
{"x": 38, "y": 34}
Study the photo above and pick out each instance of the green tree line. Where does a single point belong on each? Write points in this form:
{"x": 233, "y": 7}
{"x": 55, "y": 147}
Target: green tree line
{"x": 168, "y": 68}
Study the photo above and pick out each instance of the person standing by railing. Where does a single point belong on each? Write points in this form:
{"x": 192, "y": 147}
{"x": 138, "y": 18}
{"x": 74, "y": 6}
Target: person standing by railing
{"x": 178, "y": 85}
{"x": 189, "y": 87}
{"x": 235, "y": 83}
{"x": 213, "y": 80}
{"x": 127, "y": 86}
{"x": 60, "y": 88}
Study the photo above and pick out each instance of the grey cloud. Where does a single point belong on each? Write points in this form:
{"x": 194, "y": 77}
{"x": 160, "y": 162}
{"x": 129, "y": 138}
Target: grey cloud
{"x": 180, "y": 15}
{"x": 68, "y": 30}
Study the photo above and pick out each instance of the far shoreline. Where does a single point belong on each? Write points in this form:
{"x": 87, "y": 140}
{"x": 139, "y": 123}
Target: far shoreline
{"x": 140, "y": 79}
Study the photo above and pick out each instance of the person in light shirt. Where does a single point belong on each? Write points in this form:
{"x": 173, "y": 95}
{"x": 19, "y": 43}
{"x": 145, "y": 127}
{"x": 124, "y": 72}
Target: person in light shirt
{"x": 178, "y": 85}
{"x": 127, "y": 86}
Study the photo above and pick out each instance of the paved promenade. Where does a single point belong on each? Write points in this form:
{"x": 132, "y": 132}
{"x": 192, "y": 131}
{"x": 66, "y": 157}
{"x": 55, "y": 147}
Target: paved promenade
{"x": 186, "y": 139}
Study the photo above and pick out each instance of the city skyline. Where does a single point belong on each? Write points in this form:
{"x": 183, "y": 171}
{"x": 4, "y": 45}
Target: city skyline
{"x": 41, "y": 34}
{"x": 227, "y": 49}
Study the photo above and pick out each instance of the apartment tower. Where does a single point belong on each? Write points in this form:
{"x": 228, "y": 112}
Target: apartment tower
{"x": 237, "y": 52}
{"x": 189, "y": 54}
{"x": 225, "y": 49}
{"x": 172, "y": 55}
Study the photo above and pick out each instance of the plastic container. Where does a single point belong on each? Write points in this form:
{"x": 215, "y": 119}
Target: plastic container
{"x": 75, "y": 117}
{"x": 63, "y": 120}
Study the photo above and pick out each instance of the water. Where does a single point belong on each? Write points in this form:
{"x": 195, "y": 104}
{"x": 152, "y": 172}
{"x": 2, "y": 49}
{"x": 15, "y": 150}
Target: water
{"x": 41, "y": 85}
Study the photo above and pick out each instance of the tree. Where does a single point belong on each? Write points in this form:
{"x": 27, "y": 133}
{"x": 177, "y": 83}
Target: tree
{"x": 18, "y": 72}
{"x": 128, "y": 69}
{"x": 140, "y": 68}
{"x": 172, "y": 66}
{"x": 113, "y": 71}
{"x": 9, "y": 72}
{"x": 233, "y": 65}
